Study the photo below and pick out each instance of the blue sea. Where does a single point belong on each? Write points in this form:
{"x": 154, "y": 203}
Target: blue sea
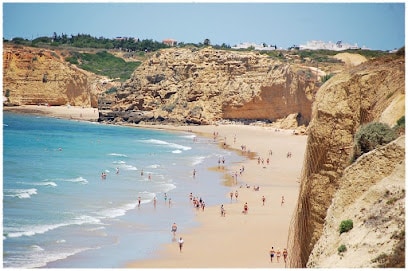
{"x": 59, "y": 213}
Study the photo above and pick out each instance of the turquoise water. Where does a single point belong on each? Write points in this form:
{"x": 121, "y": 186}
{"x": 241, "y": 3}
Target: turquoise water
{"x": 59, "y": 212}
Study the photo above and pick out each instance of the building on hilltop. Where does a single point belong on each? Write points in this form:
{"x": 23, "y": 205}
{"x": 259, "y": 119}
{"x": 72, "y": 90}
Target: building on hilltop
{"x": 321, "y": 45}
{"x": 170, "y": 42}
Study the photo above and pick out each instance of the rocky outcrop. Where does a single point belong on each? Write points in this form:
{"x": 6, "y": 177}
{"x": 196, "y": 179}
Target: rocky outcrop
{"x": 342, "y": 104}
{"x": 203, "y": 86}
{"x": 372, "y": 195}
{"x": 41, "y": 76}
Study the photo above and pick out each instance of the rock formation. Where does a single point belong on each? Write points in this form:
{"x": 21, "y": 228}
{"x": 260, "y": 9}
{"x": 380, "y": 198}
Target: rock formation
{"x": 41, "y": 76}
{"x": 372, "y": 195}
{"x": 342, "y": 104}
{"x": 203, "y": 86}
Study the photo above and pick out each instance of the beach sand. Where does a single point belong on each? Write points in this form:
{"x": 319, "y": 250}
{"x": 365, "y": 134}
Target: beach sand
{"x": 237, "y": 240}
{"x": 63, "y": 111}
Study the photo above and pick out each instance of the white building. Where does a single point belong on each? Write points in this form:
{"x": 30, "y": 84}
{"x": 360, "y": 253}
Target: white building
{"x": 321, "y": 45}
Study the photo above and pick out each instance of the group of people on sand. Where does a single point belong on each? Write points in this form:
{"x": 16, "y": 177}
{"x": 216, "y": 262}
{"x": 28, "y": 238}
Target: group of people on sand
{"x": 197, "y": 202}
{"x": 278, "y": 254}
{"x": 232, "y": 195}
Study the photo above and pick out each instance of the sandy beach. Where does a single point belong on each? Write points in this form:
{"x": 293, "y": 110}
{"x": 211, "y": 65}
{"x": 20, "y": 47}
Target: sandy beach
{"x": 237, "y": 240}
{"x": 63, "y": 111}
{"x": 243, "y": 240}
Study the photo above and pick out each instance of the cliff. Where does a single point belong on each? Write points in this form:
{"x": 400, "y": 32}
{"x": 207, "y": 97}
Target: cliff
{"x": 42, "y": 76}
{"x": 372, "y": 91}
{"x": 203, "y": 86}
{"x": 372, "y": 195}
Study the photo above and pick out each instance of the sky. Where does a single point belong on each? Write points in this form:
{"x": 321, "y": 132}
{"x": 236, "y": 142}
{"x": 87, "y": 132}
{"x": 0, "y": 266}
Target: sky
{"x": 376, "y": 25}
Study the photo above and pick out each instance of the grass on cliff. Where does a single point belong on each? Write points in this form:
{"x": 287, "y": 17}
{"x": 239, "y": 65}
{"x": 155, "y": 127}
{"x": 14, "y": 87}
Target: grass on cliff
{"x": 104, "y": 63}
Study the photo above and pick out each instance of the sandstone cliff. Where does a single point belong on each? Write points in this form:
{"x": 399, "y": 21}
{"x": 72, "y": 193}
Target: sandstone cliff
{"x": 372, "y": 195}
{"x": 342, "y": 104}
{"x": 203, "y": 86}
{"x": 40, "y": 76}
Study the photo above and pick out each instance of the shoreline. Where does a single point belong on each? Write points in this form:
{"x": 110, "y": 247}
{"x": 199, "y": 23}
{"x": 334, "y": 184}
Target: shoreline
{"x": 236, "y": 240}
{"x": 63, "y": 111}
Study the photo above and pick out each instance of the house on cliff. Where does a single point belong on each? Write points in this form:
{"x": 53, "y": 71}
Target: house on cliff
{"x": 170, "y": 42}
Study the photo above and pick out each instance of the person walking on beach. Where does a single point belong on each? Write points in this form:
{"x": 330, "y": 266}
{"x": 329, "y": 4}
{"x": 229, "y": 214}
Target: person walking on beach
{"x": 231, "y": 195}
{"x": 236, "y": 195}
{"x": 139, "y": 200}
{"x": 222, "y": 210}
{"x": 245, "y": 208}
{"x": 180, "y": 242}
{"x": 263, "y": 200}
{"x": 278, "y": 254}
{"x": 283, "y": 200}
{"x": 285, "y": 255}
{"x": 272, "y": 254}
{"x": 154, "y": 202}
{"x": 174, "y": 228}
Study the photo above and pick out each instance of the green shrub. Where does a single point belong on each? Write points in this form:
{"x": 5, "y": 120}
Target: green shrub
{"x": 345, "y": 225}
{"x": 342, "y": 249}
{"x": 371, "y": 136}
{"x": 401, "y": 121}
{"x": 326, "y": 77}
{"x": 111, "y": 90}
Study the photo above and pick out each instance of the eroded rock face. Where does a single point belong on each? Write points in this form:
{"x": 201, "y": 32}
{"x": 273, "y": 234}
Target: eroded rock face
{"x": 39, "y": 76}
{"x": 372, "y": 196}
{"x": 203, "y": 86}
{"x": 342, "y": 104}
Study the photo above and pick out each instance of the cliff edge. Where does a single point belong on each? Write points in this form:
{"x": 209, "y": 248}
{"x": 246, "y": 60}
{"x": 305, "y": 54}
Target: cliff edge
{"x": 33, "y": 76}
{"x": 372, "y": 91}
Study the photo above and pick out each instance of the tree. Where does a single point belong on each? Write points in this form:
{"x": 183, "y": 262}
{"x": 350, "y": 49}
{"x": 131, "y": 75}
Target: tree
{"x": 207, "y": 42}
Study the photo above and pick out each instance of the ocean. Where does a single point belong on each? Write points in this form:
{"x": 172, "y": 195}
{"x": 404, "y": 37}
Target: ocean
{"x": 58, "y": 211}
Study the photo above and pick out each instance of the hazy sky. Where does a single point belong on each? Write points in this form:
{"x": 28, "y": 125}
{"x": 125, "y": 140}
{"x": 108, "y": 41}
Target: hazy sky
{"x": 377, "y": 25}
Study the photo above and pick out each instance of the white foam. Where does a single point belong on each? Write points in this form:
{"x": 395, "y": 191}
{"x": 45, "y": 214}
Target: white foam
{"x": 129, "y": 167}
{"x": 166, "y": 187}
{"x": 20, "y": 193}
{"x": 120, "y": 210}
{"x": 36, "y": 248}
{"x": 76, "y": 180}
{"x": 118, "y": 154}
{"x": 197, "y": 160}
{"x": 189, "y": 136}
{"x": 119, "y": 162}
{"x": 41, "y": 258}
{"x": 154, "y": 166}
{"x": 31, "y": 230}
{"x": 167, "y": 144}
{"x": 177, "y": 151}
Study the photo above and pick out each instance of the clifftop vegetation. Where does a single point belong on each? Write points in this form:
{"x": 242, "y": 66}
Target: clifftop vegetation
{"x": 104, "y": 63}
